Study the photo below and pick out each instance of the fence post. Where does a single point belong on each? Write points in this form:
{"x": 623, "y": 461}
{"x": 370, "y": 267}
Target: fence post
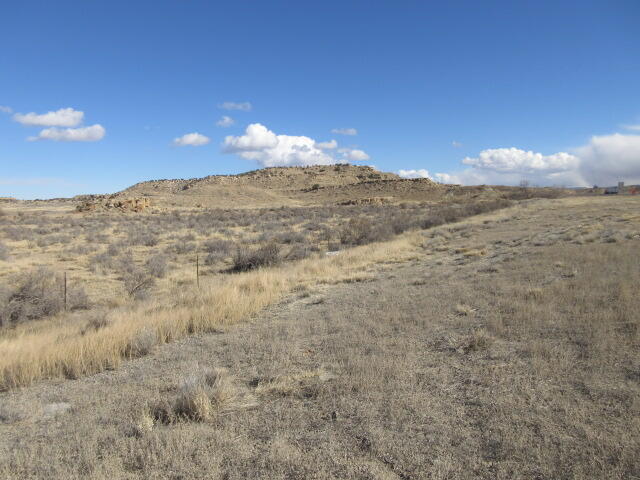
{"x": 65, "y": 291}
{"x": 197, "y": 271}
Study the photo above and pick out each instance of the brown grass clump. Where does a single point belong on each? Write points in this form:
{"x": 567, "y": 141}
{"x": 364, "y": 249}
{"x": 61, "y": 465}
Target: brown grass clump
{"x": 303, "y": 384}
{"x": 203, "y": 395}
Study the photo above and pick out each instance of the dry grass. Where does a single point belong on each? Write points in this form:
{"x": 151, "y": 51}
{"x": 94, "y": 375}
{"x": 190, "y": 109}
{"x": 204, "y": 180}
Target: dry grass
{"x": 520, "y": 363}
{"x": 70, "y": 349}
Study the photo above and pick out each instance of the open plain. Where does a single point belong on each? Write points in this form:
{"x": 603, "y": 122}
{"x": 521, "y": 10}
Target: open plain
{"x": 402, "y": 340}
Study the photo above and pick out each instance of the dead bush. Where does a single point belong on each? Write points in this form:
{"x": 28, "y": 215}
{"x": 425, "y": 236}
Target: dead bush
{"x": 157, "y": 265}
{"x": 34, "y": 295}
{"x": 4, "y": 252}
{"x": 264, "y": 256}
{"x": 218, "y": 246}
{"x": 361, "y": 231}
{"x": 137, "y": 283}
{"x": 95, "y": 320}
{"x": 77, "y": 298}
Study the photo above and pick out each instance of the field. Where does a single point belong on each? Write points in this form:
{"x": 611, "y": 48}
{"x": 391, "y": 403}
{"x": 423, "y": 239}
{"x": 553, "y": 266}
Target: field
{"x": 488, "y": 338}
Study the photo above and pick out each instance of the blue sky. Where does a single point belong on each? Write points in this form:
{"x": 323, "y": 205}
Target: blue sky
{"x": 462, "y": 91}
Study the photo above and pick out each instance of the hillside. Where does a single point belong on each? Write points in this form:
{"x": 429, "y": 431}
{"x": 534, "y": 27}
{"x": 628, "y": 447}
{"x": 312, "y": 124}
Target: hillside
{"x": 298, "y": 187}
{"x": 282, "y": 186}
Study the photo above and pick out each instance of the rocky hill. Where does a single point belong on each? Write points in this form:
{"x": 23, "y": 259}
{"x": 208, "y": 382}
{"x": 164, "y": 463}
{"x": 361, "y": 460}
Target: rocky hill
{"x": 293, "y": 186}
{"x": 282, "y": 186}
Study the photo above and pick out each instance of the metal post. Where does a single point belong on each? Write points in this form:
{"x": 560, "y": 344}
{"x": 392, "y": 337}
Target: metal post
{"x": 65, "y": 291}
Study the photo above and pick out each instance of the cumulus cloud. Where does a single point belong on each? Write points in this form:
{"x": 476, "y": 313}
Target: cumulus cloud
{"x": 83, "y": 134}
{"x": 271, "y": 150}
{"x": 225, "y": 121}
{"x": 242, "y": 106}
{"x": 607, "y": 159}
{"x": 327, "y": 145}
{"x": 257, "y": 137}
{"x": 508, "y": 166}
{"x": 5, "y": 109}
{"x": 353, "y": 154}
{"x": 514, "y": 160}
{"x": 65, "y": 117}
{"x": 345, "y": 131}
{"x": 194, "y": 139}
{"x": 604, "y": 160}
{"x": 419, "y": 173}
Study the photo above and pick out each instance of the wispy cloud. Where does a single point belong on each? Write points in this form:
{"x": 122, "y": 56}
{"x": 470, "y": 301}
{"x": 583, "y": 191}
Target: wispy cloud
{"x": 455, "y": 144}
{"x": 330, "y": 145}
{"x": 635, "y": 128}
{"x": 344, "y": 131}
{"x": 191, "y": 139}
{"x": 5, "y": 109}
{"x": 65, "y": 117}
{"x": 225, "y": 121}
{"x": 242, "y": 106}
{"x": 83, "y": 134}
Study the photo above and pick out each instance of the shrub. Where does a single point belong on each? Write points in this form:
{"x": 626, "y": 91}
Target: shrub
{"x": 182, "y": 247}
{"x": 300, "y": 251}
{"x": 4, "y": 252}
{"x": 157, "y": 265}
{"x": 264, "y": 256}
{"x": 36, "y": 294}
{"x": 137, "y": 283}
{"x": 77, "y": 298}
{"x": 143, "y": 237}
{"x": 219, "y": 246}
{"x": 141, "y": 343}
{"x": 96, "y": 320}
{"x": 361, "y": 231}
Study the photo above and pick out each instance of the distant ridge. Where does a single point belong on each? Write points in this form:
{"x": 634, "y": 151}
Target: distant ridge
{"x": 273, "y": 187}
{"x": 278, "y": 186}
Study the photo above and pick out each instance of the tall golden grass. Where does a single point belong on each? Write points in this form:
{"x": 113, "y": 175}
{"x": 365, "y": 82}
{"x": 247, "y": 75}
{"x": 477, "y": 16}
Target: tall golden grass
{"x": 57, "y": 348}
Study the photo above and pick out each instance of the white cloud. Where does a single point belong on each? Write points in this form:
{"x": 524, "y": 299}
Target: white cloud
{"x": 508, "y": 166}
{"x": 607, "y": 159}
{"x": 243, "y": 106}
{"x": 354, "y": 154}
{"x": 635, "y": 128}
{"x": 83, "y": 134}
{"x": 225, "y": 121}
{"x": 194, "y": 139}
{"x": 65, "y": 117}
{"x": 604, "y": 160}
{"x": 345, "y": 131}
{"x": 327, "y": 145}
{"x": 270, "y": 150}
{"x": 257, "y": 137}
{"x": 514, "y": 160}
{"x": 5, "y": 109}
{"x": 455, "y": 144}
{"x": 419, "y": 173}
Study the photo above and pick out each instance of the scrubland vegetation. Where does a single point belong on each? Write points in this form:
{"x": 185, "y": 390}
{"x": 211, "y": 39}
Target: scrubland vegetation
{"x": 62, "y": 344}
{"x": 504, "y": 345}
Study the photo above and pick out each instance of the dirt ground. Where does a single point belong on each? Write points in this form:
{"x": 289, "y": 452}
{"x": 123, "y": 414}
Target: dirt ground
{"x": 508, "y": 348}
